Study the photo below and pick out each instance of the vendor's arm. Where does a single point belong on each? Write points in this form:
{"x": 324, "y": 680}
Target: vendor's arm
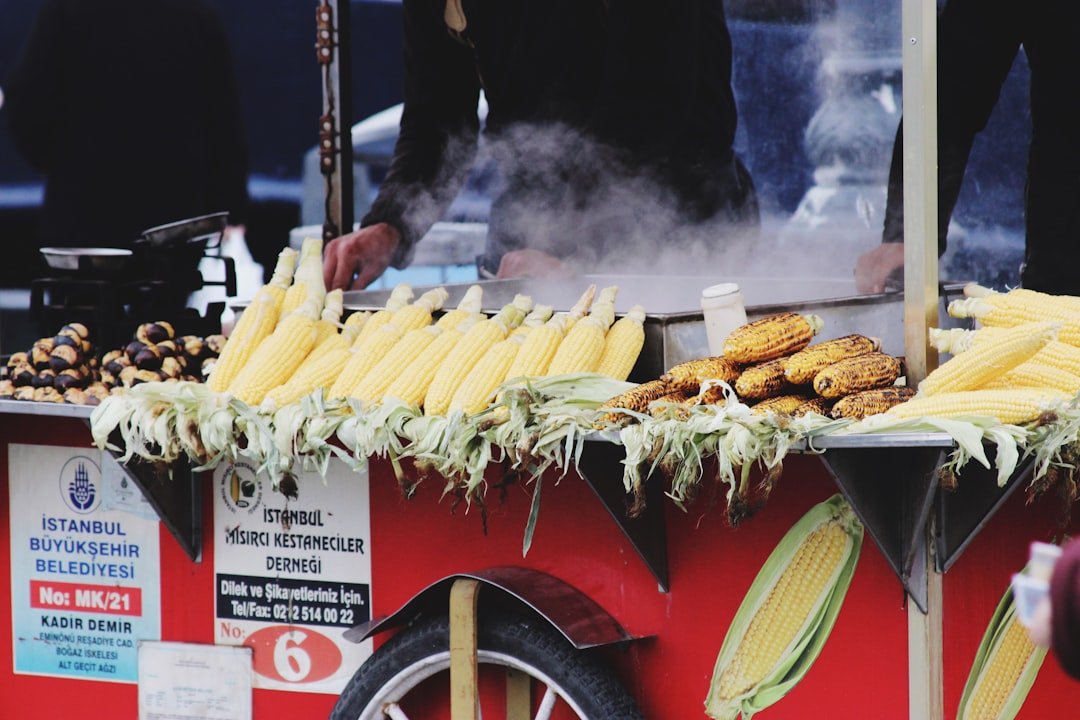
{"x": 435, "y": 147}
{"x": 33, "y": 90}
{"x": 977, "y": 43}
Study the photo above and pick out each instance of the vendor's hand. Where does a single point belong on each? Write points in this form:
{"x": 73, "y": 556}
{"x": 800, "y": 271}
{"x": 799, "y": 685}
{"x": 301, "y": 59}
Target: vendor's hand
{"x": 1041, "y": 631}
{"x": 872, "y": 269}
{"x": 530, "y": 263}
{"x": 364, "y": 254}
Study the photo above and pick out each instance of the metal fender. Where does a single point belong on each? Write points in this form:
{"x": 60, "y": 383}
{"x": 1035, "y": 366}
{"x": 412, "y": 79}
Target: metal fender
{"x": 580, "y": 619}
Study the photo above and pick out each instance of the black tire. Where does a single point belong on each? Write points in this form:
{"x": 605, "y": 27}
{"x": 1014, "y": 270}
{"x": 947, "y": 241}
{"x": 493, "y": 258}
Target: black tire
{"x": 577, "y": 676}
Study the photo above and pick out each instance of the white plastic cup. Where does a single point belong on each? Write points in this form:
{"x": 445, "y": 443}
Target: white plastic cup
{"x": 722, "y": 306}
{"x": 1028, "y": 594}
{"x": 1041, "y": 560}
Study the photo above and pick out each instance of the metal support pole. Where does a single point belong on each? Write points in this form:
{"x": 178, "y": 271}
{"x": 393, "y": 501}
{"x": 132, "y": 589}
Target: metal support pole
{"x": 464, "y": 696}
{"x": 335, "y": 123}
{"x": 925, "y": 676}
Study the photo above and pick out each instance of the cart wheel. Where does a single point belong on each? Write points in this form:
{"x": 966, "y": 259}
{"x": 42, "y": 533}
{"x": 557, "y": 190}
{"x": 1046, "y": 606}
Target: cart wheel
{"x": 400, "y": 681}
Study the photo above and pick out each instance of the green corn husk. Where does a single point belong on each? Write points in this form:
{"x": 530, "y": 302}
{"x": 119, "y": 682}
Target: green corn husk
{"x": 1004, "y": 617}
{"x": 808, "y": 642}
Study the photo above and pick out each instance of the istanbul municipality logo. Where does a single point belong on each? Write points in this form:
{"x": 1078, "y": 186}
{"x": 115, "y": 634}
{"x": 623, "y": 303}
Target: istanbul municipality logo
{"x": 80, "y": 484}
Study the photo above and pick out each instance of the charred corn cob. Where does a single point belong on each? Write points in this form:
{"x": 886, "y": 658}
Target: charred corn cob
{"x": 330, "y": 321}
{"x": 1009, "y": 407}
{"x": 412, "y": 345}
{"x": 469, "y": 307}
{"x": 623, "y": 345}
{"x": 761, "y": 381}
{"x": 771, "y": 337}
{"x": 412, "y": 384}
{"x": 365, "y": 355}
{"x": 476, "y": 389}
{"x": 674, "y": 404}
{"x": 782, "y": 404}
{"x": 796, "y": 596}
{"x": 399, "y": 298}
{"x": 1004, "y": 668}
{"x": 255, "y": 324}
{"x": 870, "y": 402}
{"x": 638, "y": 398}
{"x": 981, "y": 365}
{"x": 583, "y": 344}
{"x": 278, "y": 356}
{"x": 418, "y": 314}
{"x": 865, "y": 372}
{"x": 819, "y": 405}
{"x": 691, "y": 374}
{"x": 804, "y": 365}
{"x": 468, "y": 351}
{"x": 1036, "y": 375}
{"x": 307, "y": 280}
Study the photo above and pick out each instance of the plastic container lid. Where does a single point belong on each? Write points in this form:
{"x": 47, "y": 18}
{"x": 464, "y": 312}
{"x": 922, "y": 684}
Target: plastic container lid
{"x": 715, "y": 291}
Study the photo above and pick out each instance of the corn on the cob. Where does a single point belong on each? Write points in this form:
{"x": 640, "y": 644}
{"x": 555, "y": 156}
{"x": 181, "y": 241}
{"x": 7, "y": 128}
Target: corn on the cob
{"x": 804, "y": 365}
{"x": 980, "y": 365}
{"x": 583, "y": 344}
{"x": 1008, "y": 407}
{"x": 399, "y": 298}
{"x": 358, "y": 319}
{"x": 412, "y": 345}
{"x": 623, "y": 345}
{"x": 1055, "y": 353}
{"x": 865, "y": 372}
{"x": 468, "y": 351}
{"x": 412, "y": 384}
{"x": 469, "y": 307}
{"x": 476, "y": 389}
{"x": 691, "y": 374}
{"x": 761, "y": 381}
{"x": 1004, "y": 669}
{"x": 255, "y": 324}
{"x": 278, "y": 356}
{"x": 1036, "y": 375}
{"x": 318, "y": 371}
{"x": 771, "y": 337}
{"x": 365, "y": 355}
{"x": 1021, "y": 307}
{"x": 785, "y": 404}
{"x": 819, "y": 405}
{"x": 418, "y": 314}
{"x": 537, "y": 318}
{"x": 282, "y": 276}
{"x": 330, "y": 321}
{"x": 674, "y": 404}
{"x": 540, "y": 346}
{"x": 795, "y": 597}
{"x": 712, "y": 395}
{"x": 307, "y": 280}
{"x": 870, "y": 402}
{"x": 580, "y": 308}
{"x": 638, "y": 398}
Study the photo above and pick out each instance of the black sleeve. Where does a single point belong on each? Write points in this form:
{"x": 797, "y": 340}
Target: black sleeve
{"x": 977, "y": 43}
{"x": 437, "y": 141}
{"x": 34, "y": 88}
{"x": 228, "y": 153}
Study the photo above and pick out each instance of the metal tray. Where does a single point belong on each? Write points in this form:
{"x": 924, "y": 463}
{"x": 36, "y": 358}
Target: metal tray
{"x": 86, "y": 260}
{"x": 205, "y": 229}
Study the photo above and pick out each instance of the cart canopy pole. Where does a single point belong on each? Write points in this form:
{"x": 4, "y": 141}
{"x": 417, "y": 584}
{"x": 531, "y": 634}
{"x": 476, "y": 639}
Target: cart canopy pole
{"x": 925, "y": 676}
{"x": 332, "y": 24}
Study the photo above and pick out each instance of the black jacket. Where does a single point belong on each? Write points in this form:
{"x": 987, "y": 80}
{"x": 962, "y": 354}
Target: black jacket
{"x": 580, "y": 92}
{"x": 130, "y": 109}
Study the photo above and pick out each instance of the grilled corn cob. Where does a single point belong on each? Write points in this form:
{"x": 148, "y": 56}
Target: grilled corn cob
{"x": 980, "y": 365}
{"x": 804, "y": 365}
{"x": 469, "y": 307}
{"x": 787, "y": 613}
{"x": 412, "y": 384}
{"x": 870, "y": 402}
{"x": 674, "y": 404}
{"x": 623, "y": 345}
{"x": 782, "y": 404}
{"x": 1008, "y": 407}
{"x": 583, "y": 344}
{"x": 691, "y": 374}
{"x": 761, "y": 381}
{"x": 864, "y": 372}
{"x": 771, "y": 337}
{"x": 278, "y": 356}
{"x": 638, "y": 398}
{"x": 819, "y": 405}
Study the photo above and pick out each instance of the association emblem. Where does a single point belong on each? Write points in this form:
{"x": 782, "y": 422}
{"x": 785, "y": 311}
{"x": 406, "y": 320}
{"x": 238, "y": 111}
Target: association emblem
{"x": 80, "y": 484}
{"x": 240, "y": 488}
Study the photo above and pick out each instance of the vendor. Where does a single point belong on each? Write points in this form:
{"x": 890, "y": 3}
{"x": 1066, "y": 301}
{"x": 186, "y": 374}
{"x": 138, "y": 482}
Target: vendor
{"x": 978, "y": 40}
{"x": 604, "y": 114}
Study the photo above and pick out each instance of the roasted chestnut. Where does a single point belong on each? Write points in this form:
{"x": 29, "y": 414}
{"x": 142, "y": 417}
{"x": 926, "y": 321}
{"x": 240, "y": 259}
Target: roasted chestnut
{"x": 23, "y": 375}
{"x": 149, "y": 358}
{"x": 47, "y": 394}
{"x": 45, "y": 378}
{"x": 7, "y": 389}
{"x": 23, "y": 393}
{"x": 63, "y": 357}
{"x": 75, "y": 330}
{"x": 133, "y": 348}
{"x": 215, "y": 343}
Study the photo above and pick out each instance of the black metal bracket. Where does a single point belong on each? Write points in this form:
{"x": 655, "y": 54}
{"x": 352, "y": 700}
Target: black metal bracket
{"x": 601, "y": 468}
{"x": 891, "y": 488}
{"x": 175, "y": 493}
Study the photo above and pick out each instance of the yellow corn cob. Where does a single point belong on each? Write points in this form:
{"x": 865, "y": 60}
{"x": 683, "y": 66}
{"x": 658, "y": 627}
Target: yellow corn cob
{"x": 771, "y": 337}
{"x": 1015, "y": 307}
{"x": 1055, "y": 353}
{"x": 255, "y": 324}
{"x": 1009, "y": 407}
{"x": 980, "y": 365}
{"x": 540, "y": 346}
{"x": 468, "y": 308}
{"x": 308, "y": 279}
{"x": 282, "y": 276}
{"x": 870, "y": 402}
{"x": 358, "y": 319}
{"x": 761, "y": 381}
{"x": 997, "y": 681}
{"x": 366, "y": 354}
{"x": 330, "y": 321}
{"x": 418, "y": 314}
{"x": 691, "y": 374}
{"x": 319, "y": 370}
{"x": 412, "y": 345}
{"x": 539, "y": 315}
{"x": 801, "y": 367}
{"x": 623, "y": 345}
{"x": 476, "y": 389}
{"x": 583, "y": 345}
{"x": 1035, "y": 375}
{"x": 864, "y": 372}
{"x": 466, "y": 353}
{"x": 783, "y": 404}
{"x": 399, "y": 298}
{"x": 278, "y": 356}
{"x": 412, "y": 384}
{"x": 579, "y": 309}
{"x": 819, "y": 405}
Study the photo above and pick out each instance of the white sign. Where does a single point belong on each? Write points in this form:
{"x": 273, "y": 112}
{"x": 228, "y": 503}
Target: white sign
{"x": 182, "y": 681}
{"x": 290, "y": 576}
{"x": 85, "y": 581}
